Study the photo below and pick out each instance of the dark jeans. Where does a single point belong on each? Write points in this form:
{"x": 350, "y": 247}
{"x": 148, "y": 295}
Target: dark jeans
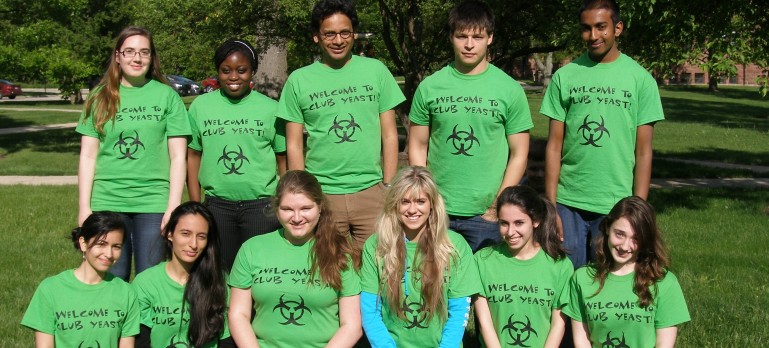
{"x": 238, "y": 221}
{"x": 580, "y": 230}
{"x": 478, "y": 232}
{"x": 142, "y": 241}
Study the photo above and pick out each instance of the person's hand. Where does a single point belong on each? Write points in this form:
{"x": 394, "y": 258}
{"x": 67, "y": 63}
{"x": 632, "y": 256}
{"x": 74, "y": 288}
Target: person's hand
{"x": 164, "y": 221}
{"x": 83, "y": 214}
{"x": 559, "y": 226}
{"x": 490, "y": 215}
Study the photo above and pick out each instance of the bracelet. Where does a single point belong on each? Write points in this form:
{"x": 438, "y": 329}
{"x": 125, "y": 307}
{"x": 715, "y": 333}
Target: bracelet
{"x": 387, "y": 185}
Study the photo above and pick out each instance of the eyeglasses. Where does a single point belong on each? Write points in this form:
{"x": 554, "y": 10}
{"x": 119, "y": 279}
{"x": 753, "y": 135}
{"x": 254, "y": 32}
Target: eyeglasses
{"x": 332, "y": 35}
{"x": 130, "y": 53}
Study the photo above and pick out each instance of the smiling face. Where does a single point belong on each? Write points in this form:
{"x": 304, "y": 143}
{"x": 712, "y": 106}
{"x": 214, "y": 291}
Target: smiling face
{"x": 299, "y": 215}
{"x": 623, "y": 246}
{"x": 414, "y": 213}
{"x": 336, "y": 50}
{"x": 470, "y": 50}
{"x": 235, "y": 75}
{"x": 102, "y": 253}
{"x": 516, "y": 229}
{"x": 133, "y": 66}
{"x": 189, "y": 239}
{"x": 599, "y": 32}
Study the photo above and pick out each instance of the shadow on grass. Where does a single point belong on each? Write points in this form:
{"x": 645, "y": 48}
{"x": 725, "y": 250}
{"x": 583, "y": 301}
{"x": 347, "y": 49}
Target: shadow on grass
{"x": 722, "y": 155}
{"x": 727, "y": 114}
{"x": 58, "y": 141}
{"x": 10, "y": 122}
{"x": 700, "y": 199}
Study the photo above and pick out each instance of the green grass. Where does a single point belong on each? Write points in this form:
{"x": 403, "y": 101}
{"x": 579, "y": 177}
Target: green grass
{"x": 13, "y": 118}
{"x": 662, "y": 168}
{"x": 36, "y": 225}
{"x": 53, "y": 152}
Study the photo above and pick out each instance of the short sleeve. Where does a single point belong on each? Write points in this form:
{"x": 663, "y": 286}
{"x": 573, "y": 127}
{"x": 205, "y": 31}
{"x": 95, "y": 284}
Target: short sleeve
{"x": 132, "y": 319}
{"x": 196, "y": 141}
{"x": 369, "y": 272}
{"x": 391, "y": 94}
{"x": 518, "y": 115}
{"x": 40, "y": 313}
{"x": 464, "y": 280}
{"x": 552, "y": 104}
{"x": 419, "y": 113}
{"x": 565, "y": 272}
{"x": 288, "y": 105}
{"x": 177, "y": 122}
{"x": 575, "y": 307}
{"x": 350, "y": 281}
{"x": 279, "y": 141}
{"x": 144, "y": 302}
{"x": 240, "y": 276}
{"x": 649, "y": 102}
{"x": 671, "y": 306}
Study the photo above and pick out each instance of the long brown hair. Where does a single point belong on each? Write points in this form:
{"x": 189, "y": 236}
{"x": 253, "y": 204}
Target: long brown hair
{"x": 329, "y": 256}
{"x": 652, "y": 257}
{"x": 435, "y": 252}
{"x": 539, "y": 209}
{"x": 104, "y": 101}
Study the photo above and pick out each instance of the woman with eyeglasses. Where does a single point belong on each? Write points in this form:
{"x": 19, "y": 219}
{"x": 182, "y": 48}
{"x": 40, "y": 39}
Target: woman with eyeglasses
{"x": 132, "y": 150}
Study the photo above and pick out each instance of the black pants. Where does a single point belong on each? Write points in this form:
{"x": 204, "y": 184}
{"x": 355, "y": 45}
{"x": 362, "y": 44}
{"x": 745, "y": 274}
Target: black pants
{"x": 238, "y": 221}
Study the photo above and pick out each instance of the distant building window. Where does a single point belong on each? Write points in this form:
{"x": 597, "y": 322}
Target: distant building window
{"x": 685, "y": 78}
{"x": 699, "y": 77}
{"x": 733, "y": 80}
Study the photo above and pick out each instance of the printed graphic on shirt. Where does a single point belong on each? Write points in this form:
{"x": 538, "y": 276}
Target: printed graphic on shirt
{"x": 177, "y": 343}
{"x": 592, "y": 131}
{"x": 518, "y": 332}
{"x": 344, "y": 129}
{"x": 292, "y": 310}
{"x": 614, "y": 342}
{"x": 416, "y": 316}
{"x": 462, "y": 140}
{"x": 90, "y": 344}
{"x": 232, "y": 160}
{"x": 128, "y": 145}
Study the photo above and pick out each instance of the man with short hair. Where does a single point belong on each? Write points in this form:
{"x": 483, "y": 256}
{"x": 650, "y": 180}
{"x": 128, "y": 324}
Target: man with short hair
{"x": 602, "y": 109}
{"x": 346, "y": 104}
{"x": 470, "y": 125}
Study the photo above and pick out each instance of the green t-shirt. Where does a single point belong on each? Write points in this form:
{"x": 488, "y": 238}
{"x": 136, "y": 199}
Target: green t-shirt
{"x": 83, "y": 315}
{"x": 133, "y": 165}
{"x": 601, "y": 106}
{"x": 614, "y": 317}
{"x": 160, "y": 303}
{"x": 460, "y": 280}
{"x": 340, "y": 109}
{"x": 238, "y": 140}
{"x": 291, "y": 310}
{"x": 470, "y": 117}
{"x": 522, "y": 294}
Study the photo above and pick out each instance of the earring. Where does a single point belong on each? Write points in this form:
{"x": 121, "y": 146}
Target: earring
{"x": 84, "y": 255}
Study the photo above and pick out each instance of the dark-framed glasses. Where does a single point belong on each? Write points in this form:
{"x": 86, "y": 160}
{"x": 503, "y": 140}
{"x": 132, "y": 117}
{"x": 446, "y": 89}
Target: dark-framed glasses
{"x": 130, "y": 53}
{"x": 332, "y": 35}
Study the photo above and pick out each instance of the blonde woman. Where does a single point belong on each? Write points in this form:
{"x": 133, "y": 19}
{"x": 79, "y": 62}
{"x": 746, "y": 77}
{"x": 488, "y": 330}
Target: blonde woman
{"x": 417, "y": 276}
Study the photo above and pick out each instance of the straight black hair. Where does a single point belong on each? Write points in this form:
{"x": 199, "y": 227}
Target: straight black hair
{"x": 96, "y": 226}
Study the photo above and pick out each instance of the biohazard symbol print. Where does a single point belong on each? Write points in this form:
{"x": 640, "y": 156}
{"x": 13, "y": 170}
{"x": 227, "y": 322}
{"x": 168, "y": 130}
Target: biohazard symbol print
{"x": 84, "y": 344}
{"x": 344, "y": 129}
{"x": 232, "y": 160}
{"x": 614, "y": 342}
{"x": 518, "y": 331}
{"x": 292, "y": 311}
{"x": 128, "y": 146}
{"x": 416, "y": 316}
{"x": 593, "y": 131}
{"x": 462, "y": 140}
{"x": 174, "y": 343}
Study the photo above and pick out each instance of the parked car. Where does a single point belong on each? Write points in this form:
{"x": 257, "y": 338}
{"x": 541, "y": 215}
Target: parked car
{"x": 183, "y": 85}
{"x": 211, "y": 84}
{"x": 8, "y": 89}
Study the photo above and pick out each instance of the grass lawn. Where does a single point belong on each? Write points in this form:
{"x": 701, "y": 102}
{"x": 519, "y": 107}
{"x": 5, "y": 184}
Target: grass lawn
{"x": 53, "y": 152}
{"x": 15, "y": 118}
{"x": 48, "y": 104}
{"x": 717, "y": 239}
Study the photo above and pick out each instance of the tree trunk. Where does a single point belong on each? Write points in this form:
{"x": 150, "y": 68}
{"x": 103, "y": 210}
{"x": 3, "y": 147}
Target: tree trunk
{"x": 713, "y": 83}
{"x": 272, "y": 71}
